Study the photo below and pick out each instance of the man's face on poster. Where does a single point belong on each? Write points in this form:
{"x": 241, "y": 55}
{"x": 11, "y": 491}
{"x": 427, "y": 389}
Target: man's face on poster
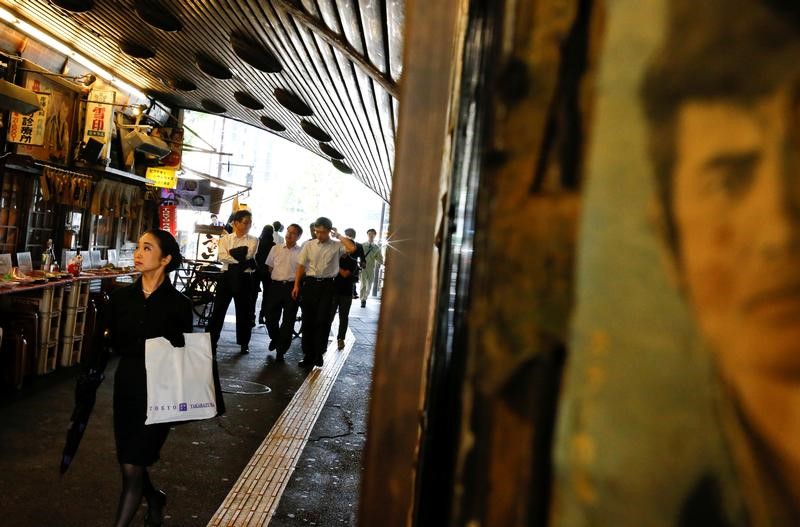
{"x": 736, "y": 208}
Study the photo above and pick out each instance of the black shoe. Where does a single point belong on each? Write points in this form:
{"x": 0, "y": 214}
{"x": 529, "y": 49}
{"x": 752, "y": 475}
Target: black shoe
{"x": 319, "y": 362}
{"x": 272, "y": 344}
{"x": 155, "y": 509}
{"x": 279, "y": 356}
{"x": 363, "y": 303}
{"x": 245, "y": 350}
{"x": 305, "y": 363}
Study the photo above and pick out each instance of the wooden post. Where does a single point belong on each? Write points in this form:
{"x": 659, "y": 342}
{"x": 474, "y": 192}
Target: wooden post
{"x": 406, "y": 320}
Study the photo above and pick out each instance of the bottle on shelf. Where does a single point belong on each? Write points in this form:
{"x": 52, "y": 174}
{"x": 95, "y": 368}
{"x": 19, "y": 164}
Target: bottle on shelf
{"x": 48, "y": 256}
{"x": 52, "y": 256}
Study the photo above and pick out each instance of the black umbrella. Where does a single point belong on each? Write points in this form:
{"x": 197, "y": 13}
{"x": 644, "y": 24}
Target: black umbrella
{"x": 85, "y": 397}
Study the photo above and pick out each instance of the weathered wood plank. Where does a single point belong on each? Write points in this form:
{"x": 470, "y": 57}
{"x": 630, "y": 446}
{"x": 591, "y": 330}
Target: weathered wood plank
{"x": 406, "y": 320}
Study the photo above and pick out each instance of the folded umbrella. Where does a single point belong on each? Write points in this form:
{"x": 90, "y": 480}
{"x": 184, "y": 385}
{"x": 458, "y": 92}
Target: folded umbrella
{"x": 85, "y": 396}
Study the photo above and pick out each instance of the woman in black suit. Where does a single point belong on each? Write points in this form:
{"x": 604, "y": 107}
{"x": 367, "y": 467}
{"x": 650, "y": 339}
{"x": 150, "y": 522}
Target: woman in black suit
{"x": 265, "y": 244}
{"x": 149, "y": 308}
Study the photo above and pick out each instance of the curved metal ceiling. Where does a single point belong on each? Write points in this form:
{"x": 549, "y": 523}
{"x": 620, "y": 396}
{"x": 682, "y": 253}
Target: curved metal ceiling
{"x": 318, "y": 69}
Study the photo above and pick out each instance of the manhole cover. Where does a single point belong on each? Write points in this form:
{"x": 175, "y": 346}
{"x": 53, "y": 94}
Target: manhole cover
{"x": 243, "y": 387}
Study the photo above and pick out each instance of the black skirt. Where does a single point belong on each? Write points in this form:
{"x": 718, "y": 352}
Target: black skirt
{"x": 137, "y": 443}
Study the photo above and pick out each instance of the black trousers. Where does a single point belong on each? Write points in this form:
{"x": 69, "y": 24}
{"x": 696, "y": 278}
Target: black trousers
{"x": 342, "y": 303}
{"x": 316, "y": 304}
{"x": 264, "y": 282}
{"x": 279, "y": 302}
{"x": 238, "y": 287}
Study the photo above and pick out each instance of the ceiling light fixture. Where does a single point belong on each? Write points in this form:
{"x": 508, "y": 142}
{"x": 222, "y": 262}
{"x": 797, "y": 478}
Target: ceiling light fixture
{"x": 62, "y": 48}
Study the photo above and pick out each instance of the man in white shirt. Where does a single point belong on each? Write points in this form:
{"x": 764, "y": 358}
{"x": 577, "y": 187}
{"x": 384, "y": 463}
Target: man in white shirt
{"x": 237, "y": 253}
{"x": 282, "y": 265}
{"x": 317, "y": 266}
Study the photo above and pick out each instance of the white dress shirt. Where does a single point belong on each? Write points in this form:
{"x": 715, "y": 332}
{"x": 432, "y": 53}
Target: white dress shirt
{"x": 321, "y": 260}
{"x": 283, "y": 261}
{"x": 231, "y": 241}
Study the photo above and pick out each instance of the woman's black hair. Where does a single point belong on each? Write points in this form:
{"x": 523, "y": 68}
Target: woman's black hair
{"x": 267, "y": 232}
{"x": 169, "y": 247}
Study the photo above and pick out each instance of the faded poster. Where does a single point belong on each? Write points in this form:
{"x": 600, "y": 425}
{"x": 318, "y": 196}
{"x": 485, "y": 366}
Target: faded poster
{"x": 680, "y": 404}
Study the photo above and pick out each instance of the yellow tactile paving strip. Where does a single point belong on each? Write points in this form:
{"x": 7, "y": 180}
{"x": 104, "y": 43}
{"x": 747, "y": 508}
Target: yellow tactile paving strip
{"x": 254, "y": 498}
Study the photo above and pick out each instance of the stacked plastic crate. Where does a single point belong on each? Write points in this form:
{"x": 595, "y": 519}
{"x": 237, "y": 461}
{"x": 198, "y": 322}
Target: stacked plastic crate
{"x": 50, "y": 303}
{"x": 74, "y": 322}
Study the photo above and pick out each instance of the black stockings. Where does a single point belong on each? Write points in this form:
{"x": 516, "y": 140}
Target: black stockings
{"x": 135, "y": 484}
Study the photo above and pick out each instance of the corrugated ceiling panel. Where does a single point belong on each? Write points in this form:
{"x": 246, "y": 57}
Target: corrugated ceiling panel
{"x": 350, "y": 101}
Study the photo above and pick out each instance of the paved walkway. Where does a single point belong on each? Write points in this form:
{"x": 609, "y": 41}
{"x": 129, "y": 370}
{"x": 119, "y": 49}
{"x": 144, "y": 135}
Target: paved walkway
{"x": 201, "y": 462}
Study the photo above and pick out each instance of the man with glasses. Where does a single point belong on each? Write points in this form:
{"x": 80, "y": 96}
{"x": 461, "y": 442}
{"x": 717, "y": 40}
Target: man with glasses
{"x": 282, "y": 265}
{"x": 317, "y": 266}
{"x": 237, "y": 253}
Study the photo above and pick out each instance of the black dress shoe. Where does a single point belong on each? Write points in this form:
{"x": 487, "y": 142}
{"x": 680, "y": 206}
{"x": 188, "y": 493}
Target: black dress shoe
{"x": 155, "y": 509}
{"x": 319, "y": 362}
{"x": 305, "y": 364}
{"x": 245, "y": 350}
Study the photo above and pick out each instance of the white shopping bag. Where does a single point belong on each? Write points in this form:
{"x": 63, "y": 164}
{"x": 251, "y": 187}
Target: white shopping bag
{"x": 180, "y": 385}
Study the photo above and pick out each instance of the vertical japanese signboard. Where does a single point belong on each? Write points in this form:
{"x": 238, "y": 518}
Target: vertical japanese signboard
{"x": 29, "y": 129}
{"x": 45, "y": 135}
{"x": 99, "y": 113}
{"x": 167, "y": 219}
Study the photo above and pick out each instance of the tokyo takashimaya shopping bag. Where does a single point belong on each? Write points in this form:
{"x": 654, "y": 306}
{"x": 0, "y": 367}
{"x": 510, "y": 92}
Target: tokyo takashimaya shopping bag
{"x": 180, "y": 386}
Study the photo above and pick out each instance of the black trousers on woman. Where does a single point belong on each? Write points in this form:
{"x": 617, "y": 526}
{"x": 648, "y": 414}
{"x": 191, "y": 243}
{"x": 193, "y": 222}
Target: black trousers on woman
{"x": 237, "y": 286}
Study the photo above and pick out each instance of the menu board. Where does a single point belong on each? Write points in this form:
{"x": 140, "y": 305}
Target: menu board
{"x": 24, "y": 262}
{"x": 5, "y": 263}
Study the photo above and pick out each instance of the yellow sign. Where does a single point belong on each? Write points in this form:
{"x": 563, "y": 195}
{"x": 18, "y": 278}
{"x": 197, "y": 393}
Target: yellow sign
{"x": 164, "y": 177}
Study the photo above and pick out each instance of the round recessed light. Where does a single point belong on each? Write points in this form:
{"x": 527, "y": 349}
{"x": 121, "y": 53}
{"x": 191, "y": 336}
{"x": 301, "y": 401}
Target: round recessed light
{"x": 212, "y": 68}
{"x": 341, "y": 167}
{"x": 181, "y": 84}
{"x": 247, "y": 100}
{"x": 155, "y": 14}
{"x": 315, "y": 131}
{"x": 255, "y": 54}
{"x": 272, "y": 124}
{"x": 292, "y": 102}
{"x": 76, "y": 6}
{"x": 166, "y": 98}
{"x": 135, "y": 50}
{"x": 330, "y": 151}
{"x": 212, "y": 106}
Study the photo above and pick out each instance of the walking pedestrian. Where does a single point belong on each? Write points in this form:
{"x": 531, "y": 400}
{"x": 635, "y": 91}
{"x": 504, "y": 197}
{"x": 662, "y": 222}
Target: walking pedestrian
{"x": 373, "y": 258}
{"x": 265, "y": 244}
{"x": 318, "y": 264}
{"x": 281, "y": 307}
{"x": 150, "y": 307}
{"x": 343, "y": 286}
{"x": 357, "y": 255}
{"x": 237, "y": 253}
